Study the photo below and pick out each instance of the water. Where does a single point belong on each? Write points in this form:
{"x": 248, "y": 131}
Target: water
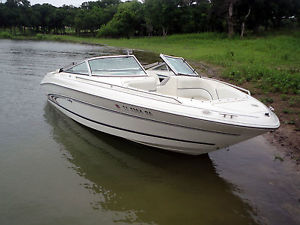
{"x": 55, "y": 171}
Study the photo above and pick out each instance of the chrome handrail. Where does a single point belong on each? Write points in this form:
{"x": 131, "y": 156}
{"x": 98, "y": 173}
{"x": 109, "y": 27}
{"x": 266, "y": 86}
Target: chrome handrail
{"x": 132, "y": 89}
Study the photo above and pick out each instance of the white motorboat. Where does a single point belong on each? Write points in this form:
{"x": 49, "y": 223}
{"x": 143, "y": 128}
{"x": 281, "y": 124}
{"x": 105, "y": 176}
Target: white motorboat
{"x": 168, "y": 106}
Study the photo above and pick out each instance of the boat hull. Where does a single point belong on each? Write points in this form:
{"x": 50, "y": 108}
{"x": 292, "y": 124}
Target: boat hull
{"x": 146, "y": 126}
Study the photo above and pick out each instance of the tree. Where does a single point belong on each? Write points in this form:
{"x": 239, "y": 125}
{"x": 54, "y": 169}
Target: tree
{"x": 128, "y": 21}
{"x": 100, "y": 4}
{"x": 152, "y": 17}
{"x": 69, "y": 16}
{"x": 230, "y": 19}
{"x": 162, "y": 16}
{"x": 4, "y": 22}
{"x": 218, "y": 14}
{"x": 194, "y": 16}
{"x": 44, "y": 17}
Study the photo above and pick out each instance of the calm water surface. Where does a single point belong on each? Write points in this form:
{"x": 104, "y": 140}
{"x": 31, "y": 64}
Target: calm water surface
{"x": 55, "y": 171}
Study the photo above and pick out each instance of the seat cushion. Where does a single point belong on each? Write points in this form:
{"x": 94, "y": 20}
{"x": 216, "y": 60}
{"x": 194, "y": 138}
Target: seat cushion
{"x": 196, "y": 93}
{"x": 148, "y": 83}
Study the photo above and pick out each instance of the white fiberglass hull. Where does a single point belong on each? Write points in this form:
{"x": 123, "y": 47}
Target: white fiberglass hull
{"x": 147, "y": 126}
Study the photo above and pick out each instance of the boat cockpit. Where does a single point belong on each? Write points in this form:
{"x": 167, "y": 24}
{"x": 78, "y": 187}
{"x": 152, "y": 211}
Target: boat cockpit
{"x": 172, "y": 77}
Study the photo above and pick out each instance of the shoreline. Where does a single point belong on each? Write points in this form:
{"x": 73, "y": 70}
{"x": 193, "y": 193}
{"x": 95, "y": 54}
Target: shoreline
{"x": 287, "y": 137}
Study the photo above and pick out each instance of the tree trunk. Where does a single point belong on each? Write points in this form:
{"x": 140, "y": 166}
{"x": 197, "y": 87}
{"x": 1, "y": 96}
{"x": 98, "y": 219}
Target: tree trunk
{"x": 230, "y": 20}
{"x": 164, "y": 31}
{"x": 243, "y": 23}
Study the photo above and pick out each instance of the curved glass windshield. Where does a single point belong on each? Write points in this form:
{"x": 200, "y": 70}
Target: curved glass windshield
{"x": 116, "y": 66}
{"x": 179, "y": 65}
{"x": 79, "y": 69}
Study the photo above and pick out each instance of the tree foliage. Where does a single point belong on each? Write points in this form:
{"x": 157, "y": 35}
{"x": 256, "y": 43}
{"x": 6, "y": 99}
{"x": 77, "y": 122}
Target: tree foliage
{"x": 128, "y": 21}
{"x": 115, "y": 18}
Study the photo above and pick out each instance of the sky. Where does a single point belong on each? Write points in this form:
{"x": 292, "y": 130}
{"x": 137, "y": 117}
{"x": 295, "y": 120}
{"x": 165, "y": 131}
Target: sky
{"x": 56, "y": 3}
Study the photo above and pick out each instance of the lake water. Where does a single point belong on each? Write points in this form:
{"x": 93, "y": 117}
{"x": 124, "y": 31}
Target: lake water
{"x": 55, "y": 171}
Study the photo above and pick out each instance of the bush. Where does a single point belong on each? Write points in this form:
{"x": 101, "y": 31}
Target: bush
{"x": 108, "y": 30}
{"x": 40, "y": 36}
{"x": 5, "y": 34}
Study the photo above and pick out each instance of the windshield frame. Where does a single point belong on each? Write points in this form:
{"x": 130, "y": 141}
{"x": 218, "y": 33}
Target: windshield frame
{"x": 165, "y": 59}
{"x": 108, "y": 75}
{"x": 117, "y": 56}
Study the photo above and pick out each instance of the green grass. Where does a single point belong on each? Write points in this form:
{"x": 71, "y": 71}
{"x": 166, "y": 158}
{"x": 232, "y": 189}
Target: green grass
{"x": 5, "y": 34}
{"x": 294, "y": 101}
{"x": 267, "y": 100}
{"x": 271, "y": 62}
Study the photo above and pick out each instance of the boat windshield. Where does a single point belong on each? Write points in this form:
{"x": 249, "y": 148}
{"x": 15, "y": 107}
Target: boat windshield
{"x": 178, "y": 65}
{"x": 116, "y": 66}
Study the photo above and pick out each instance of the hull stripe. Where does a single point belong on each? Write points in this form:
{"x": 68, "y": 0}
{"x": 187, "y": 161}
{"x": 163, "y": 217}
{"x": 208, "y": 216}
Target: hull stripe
{"x": 176, "y": 125}
{"x": 131, "y": 131}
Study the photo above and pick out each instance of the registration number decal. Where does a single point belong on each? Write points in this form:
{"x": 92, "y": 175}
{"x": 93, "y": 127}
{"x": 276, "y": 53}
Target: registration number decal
{"x": 133, "y": 109}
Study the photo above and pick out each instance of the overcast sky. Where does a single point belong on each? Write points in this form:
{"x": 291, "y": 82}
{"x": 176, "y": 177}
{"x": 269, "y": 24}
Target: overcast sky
{"x": 56, "y": 2}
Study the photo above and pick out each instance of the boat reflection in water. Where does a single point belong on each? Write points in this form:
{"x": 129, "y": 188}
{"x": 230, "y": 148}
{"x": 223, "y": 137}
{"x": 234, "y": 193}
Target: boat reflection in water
{"x": 149, "y": 187}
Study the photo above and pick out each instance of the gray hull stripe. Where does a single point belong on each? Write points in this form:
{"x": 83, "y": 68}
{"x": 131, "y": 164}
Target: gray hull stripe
{"x": 132, "y": 131}
{"x": 171, "y": 124}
